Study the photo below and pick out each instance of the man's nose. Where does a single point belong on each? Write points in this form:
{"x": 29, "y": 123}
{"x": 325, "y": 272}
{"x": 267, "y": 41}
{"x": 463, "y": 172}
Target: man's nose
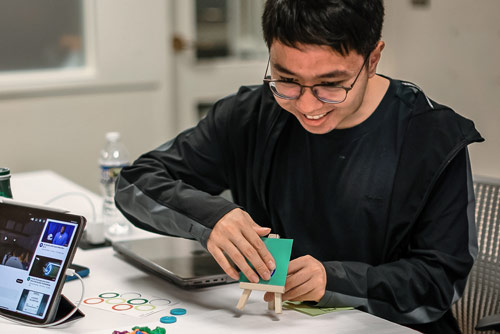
{"x": 307, "y": 102}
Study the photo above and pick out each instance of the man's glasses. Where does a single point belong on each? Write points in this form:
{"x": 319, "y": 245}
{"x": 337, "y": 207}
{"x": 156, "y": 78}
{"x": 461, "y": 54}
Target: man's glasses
{"x": 328, "y": 93}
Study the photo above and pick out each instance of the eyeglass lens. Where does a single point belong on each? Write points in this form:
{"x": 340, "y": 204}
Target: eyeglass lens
{"x": 292, "y": 90}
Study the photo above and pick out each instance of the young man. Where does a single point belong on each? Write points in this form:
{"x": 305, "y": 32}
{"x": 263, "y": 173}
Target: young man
{"x": 368, "y": 175}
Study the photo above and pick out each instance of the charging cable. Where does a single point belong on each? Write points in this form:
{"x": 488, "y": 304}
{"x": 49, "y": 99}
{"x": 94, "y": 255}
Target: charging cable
{"x": 69, "y": 272}
{"x": 84, "y": 196}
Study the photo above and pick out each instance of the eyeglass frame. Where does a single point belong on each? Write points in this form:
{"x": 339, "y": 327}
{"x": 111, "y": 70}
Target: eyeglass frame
{"x": 268, "y": 81}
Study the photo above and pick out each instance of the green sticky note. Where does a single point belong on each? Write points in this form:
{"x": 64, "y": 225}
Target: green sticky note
{"x": 312, "y": 310}
{"x": 281, "y": 250}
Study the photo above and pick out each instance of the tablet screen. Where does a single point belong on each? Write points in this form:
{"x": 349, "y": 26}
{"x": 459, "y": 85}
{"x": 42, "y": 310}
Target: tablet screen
{"x": 36, "y": 246}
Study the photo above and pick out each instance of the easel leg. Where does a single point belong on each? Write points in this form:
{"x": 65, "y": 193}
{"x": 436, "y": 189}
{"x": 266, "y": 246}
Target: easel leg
{"x": 270, "y": 304}
{"x": 277, "y": 302}
{"x": 243, "y": 299}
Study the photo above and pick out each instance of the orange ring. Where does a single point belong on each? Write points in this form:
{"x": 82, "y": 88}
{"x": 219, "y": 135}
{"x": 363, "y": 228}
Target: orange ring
{"x": 116, "y": 309}
{"x": 86, "y": 301}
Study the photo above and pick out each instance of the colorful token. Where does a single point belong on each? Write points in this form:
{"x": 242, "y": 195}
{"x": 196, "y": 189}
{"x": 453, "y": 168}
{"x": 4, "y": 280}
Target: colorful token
{"x": 168, "y": 320}
{"x": 178, "y": 311}
{"x": 158, "y": 330}
{"x": 142, "y": 329}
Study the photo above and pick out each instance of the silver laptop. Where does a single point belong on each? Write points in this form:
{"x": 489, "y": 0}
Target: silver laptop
{"x": 181, "y": 261}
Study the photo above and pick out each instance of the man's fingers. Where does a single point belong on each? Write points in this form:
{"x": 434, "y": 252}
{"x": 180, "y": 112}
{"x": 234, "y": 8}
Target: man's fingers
{"x": 300, "y": 293}
{"x": 262, "y": 231}
{"x": 238, "y": 236}
{"x": 260, "y": 247}
{"x": 295, "y": 265}
{"x": 240, "y": 261}
{"x": 224, "y": 264}
{"x": 253, "y": 254}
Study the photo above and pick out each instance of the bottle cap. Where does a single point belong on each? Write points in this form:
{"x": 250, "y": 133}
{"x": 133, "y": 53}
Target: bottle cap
{"x": 4, "y": 173}
{"x": 113, "y": 136}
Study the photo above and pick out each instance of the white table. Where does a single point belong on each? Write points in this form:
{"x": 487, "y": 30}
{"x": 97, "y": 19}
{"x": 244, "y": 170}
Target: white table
{"x": 210, "y": 310}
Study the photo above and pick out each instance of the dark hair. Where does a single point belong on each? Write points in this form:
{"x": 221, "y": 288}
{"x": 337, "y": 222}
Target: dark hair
{"x": 344, "y": 25}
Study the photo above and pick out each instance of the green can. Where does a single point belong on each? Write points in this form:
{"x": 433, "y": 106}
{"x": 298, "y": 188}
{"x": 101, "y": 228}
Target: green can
{"x": 5, "y": 182}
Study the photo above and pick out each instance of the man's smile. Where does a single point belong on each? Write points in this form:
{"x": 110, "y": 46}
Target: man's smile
{"x": 315, "y": 117}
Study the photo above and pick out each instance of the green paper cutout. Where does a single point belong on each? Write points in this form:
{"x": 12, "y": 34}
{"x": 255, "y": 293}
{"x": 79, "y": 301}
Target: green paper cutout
{"x": 312, "y": 310}
{"x": 281, "y": 250}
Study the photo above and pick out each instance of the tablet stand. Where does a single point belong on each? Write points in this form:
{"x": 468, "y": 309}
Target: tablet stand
{"x": 64, "y": 307}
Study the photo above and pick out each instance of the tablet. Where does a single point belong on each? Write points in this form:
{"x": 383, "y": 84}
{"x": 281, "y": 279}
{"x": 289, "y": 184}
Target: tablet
{"x": 36, "y": 246}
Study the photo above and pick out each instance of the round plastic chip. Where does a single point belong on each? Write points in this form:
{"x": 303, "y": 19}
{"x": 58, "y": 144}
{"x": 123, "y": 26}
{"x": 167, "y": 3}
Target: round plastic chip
{"x": 168, "y": 320}
{"x": 178, "y": 311}
{"x": 158, "y": 330}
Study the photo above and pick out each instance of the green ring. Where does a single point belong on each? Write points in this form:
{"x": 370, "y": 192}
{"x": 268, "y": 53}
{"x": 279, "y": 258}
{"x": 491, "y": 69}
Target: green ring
{"x": 144, "y": 301}
{"x": 102, "y": 295}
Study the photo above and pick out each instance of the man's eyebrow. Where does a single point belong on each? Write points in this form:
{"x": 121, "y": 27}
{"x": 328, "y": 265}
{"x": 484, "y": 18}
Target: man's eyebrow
{"x": 331, "y": 74}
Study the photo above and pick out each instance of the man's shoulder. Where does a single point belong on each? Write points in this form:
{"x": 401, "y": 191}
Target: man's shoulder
{"x": 428, "y": 116}
{"x": 413, "y": 96}
{"x": 247, "y": 96}
{"x": 420, "y": 104}
{"x": 249, "y": 104}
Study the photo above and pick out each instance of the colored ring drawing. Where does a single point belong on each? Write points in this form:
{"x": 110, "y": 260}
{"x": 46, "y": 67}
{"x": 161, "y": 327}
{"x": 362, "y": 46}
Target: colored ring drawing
{"x": 109, "y": 295}
{"x": 118, "y": 301}
{"x": 141, "y": 301}
{"x": 148, "y": 307}
{"x": 159, "y": 302}
{"x": 118, "y": 307}
{"x": 130, "y": 295}
{"x": 87, "y": 301}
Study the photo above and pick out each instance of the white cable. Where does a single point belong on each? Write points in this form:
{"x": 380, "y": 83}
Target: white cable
{"x": 89, "y": 200}
{"x": 72, "y": 273}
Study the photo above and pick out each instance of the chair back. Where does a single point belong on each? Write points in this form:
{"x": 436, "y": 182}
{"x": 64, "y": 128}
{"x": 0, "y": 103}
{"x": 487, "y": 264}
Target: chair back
{"x": 482, "y": 292}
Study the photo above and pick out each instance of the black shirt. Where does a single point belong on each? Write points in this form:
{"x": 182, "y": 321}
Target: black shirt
{"x": 337, "y": 184}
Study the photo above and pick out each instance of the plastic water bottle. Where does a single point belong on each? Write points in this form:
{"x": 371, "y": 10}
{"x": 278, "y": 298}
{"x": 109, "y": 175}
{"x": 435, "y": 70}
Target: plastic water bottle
{"x": 114, "y": 156}
{"x": 5, "y": 182}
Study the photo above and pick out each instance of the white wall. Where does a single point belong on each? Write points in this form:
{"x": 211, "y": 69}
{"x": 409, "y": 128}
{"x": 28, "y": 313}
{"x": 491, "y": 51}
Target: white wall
{"x": 452, "y": 51}
{"x": 61, "y": 126}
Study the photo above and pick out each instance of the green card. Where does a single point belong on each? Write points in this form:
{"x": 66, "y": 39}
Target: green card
{"x": 312, "y": 310}
{"x": 281, "y": 250}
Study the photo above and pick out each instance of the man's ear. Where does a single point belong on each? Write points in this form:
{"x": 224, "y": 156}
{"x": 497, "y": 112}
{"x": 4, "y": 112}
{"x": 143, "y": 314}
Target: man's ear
{"x": 374, "y": 58}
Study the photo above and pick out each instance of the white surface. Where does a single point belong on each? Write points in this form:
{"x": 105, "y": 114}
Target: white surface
{"x": 210, "y": 310}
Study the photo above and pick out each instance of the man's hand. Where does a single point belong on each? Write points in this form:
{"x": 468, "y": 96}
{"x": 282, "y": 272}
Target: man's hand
{"x": 306, "y": 280}
{"x": 238, "y": 236}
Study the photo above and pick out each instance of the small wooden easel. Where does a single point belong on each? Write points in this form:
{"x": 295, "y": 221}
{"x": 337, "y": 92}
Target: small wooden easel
{"x": 274, "y": 304}
{"x": 247, "y": 287}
